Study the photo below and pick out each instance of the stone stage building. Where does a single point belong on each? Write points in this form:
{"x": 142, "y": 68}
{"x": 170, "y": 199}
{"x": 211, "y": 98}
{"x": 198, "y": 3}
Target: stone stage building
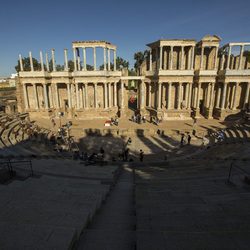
{"x": 178, "y": 77}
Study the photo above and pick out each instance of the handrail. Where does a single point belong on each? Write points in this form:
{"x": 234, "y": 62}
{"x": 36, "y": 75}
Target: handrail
{"x": 237, "y": 167}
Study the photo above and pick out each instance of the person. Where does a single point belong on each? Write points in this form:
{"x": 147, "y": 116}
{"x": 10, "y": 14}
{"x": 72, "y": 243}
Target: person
{"x": 189, "y": 139}
{"x": 144, "y": 119}
{"x": 126, "y": 153}
{"x": 141, "y": 155}
{"x": 182, "y": 139}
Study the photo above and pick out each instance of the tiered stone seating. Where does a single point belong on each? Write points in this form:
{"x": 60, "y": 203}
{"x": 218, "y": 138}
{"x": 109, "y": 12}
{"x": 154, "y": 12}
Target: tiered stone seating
{"x": 50, "y": 212}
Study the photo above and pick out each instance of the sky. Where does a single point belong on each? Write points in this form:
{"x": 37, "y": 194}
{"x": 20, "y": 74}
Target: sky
{"x": 129, "y": 24}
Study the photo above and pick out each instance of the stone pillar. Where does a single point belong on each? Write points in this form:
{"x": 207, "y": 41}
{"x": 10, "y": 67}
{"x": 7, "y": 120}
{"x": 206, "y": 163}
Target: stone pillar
{"x": 189, "y": 58}
{"x": 108, "y": 59}
{"x": 218, "y": 97}
{"x": 57, "y": 96}
{"x": 66, "y": 65}
{"x": 160, "y": 66}
{"x": 189, "y": 96}
{"x": 224, "y": 95}
{"x": 211, "y": 99}
{"x": 186, "y": 94}
{"x": 149, "y": 94}
{"x": 105, "y": 95}
{"x": 150, "y": 59}
{"x": 41, "y": 61}
{"x": 241, "y": 56}
{"x": 104, "y": 59}
{"x": 142, "y": 95}
{"x": 114, "y": 60}
{"x": 222, "y": 62}
{"x": 31, "y": 61}
{"x": 95, "y": 94}
{"x": 69, "y": 95}
{"x": 47, "y": 61}
{"x": 45, "y": 96}
{"x": 182, "y": 57}
{"x": 159, "y": 96}
{"x": 80, "y": 97}
{"x": 179, "y": 95}
{"x": 53, "y": 59}
{"x": 157, "y": 58}
{"x": 115, "y": 94}
{"x": 94, "y": 56}
{"x": 192, "y": 58}
{"x": 246, "y": 97}
{"x": 74, "y": 55}
{"x": 198, "y": 96}
{"x": 171, "y": 57}
{"x": 109, "y": 95}
{"x": 35, "y": 96}
{"x": 201, "y": 61}
{"x": 86, "y": 96}
{"x": 169, "y": 94}
{"x": 228, "y": 57}
{"x": 26, "y": 103}
{"x": 21, "y": 62}
{"x": 234, "y": 95}
{"x": 122, "y": 95}
{"x": 215, "y": 58}
{"x": 84, "y": 58}
{"x": 77, "y": 96}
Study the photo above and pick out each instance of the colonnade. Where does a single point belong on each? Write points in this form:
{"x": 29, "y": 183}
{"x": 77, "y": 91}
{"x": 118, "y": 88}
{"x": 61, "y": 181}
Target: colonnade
{"x": 79, "y": 91}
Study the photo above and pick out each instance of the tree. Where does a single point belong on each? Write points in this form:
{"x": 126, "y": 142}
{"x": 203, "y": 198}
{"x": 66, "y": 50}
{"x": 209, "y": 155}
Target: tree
{"x": 139, "y": 58}
{"x": 120, "y": 63}
{"x": 26, "y": 64}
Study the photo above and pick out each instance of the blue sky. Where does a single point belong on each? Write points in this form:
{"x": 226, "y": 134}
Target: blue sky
{"x": 41, "y": 25}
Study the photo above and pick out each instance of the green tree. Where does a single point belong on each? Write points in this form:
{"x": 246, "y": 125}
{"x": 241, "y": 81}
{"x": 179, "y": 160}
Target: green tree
{"x": 120, "y": 63}
{"x": 139, "y": 57}
{"x": 26, "y": 64}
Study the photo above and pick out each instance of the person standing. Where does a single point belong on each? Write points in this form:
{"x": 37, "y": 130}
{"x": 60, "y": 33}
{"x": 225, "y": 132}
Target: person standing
{"x": 141, "y": 155}
{"x": 182, "y": 139}
{"x": 189, "y": 139}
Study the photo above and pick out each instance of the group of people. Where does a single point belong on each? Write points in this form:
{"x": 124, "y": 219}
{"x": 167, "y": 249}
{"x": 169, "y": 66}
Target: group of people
{"x": 185, "y": 139}
{"x": 138, "y": 118}
{"x": 114, "y": 121}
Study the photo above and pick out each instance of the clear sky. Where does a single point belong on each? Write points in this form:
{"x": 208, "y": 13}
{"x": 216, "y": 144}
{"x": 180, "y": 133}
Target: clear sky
{"x": 27, "y": 25}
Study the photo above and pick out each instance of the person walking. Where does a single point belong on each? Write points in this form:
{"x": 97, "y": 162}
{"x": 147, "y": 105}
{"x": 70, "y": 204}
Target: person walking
{"x": 141, "y": 155}
{"x": 189, "y": 139}
{"x": 182, "y": 139}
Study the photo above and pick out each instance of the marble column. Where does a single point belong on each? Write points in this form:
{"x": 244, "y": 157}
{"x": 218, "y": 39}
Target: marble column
{"x": 45, "y": 96}
{"x": 224, "y": 95}
{"x": 159, "y": 96}
{"x": 69, "y": 95}
{"x": 115, "y": 94}
{"x": 74, "y": 55}
{"x": 31, "y": 61}
{"x": 192, "y": 58}
{"x": 84, "y": 58}
{"x": 179, "y": 95}
{"x": 26, "y": 103}
{"x": 189, "y": 95}
{"x": 47, "y": 61}
{"x": 21, "y": 62}
{"x": 189, "y": 58}
{"x": 104, "y": 59}
{"x": 108, "y": 59}
{"x": 235, "y": 89}
{"x": 241, "y": 56}
{"x": 114, "y": 60}
{"x": 186, "y": 94}
{"x": 218, "y": 97}
{"x": 169, "y": 95}
{"x": 35, "y": 96}
{"x": 80, "y": 97}
{"x": 182, "y": 57}
{"x": 41, "y": 61}
{"x": 246, "y": 99}
{"x": 222, "y": 62}
{"x": 77, "y": 96}
{"x": 105, "y": 95}
{"x": 53, "y": 59}
{"x": 228, "y": 57}
{"x": 160, "y": 66}
{"x": 215, "y": 58}
{"x": 109, "y": 95}
{"x": 201, "y": 60}
{"x": 66, "y": 65}
{"x": 86, "y": 95}
{"x": 95, "y": 94}
{"x": 198, "y": 96}
{"x": 171, "y": 57}
{"x": 211, "y": 99}
{"x": 94, "y": 56}
{"x": 142, "y": 95}
{"x": 150, "y": 59}
{"x": 122, "y": 95}
{"x": 57, "y": 96}
{"x": 149, "y": 94}
{"x": 157, "y": 58}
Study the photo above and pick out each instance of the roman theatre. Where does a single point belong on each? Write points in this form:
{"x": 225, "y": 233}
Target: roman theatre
{"x": 178, "y": 78}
